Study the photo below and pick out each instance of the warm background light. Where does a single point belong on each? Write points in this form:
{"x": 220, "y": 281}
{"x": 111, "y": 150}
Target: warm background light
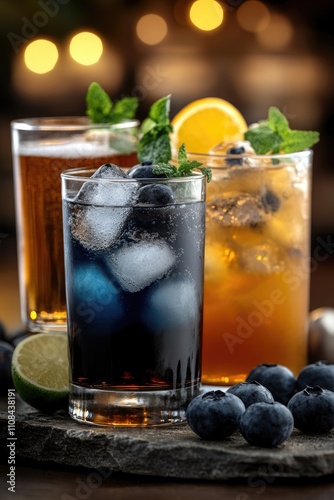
{"x": 41, "y": 56}
{"x": 179, "y": 65}
{"x": 253, "y": 16}
{"x": 151, "y": 29}
{"x": 278, "y": 34}
{"x": 86, "y": 48}
{"x": 206, "y": 15}
{"x": 68, "y": 80}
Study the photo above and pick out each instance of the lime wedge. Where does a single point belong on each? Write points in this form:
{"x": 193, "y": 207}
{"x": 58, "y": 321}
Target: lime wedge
{"x": 40, "y": 371}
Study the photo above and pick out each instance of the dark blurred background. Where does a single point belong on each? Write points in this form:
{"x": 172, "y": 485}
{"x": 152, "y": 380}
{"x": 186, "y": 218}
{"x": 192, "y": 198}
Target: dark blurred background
{"x": 263, "y": 53}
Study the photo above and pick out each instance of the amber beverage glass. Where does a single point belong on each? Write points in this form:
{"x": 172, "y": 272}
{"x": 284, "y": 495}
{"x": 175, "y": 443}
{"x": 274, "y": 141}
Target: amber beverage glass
{"x": 42, "y": 148}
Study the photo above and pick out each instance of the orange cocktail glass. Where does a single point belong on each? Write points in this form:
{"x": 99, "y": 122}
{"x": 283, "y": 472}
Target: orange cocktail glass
{"x": 256, "y": 264}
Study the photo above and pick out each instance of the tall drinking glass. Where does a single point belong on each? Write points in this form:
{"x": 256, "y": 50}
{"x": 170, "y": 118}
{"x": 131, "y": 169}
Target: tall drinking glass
{"x": 42, "y": 148}
{"x": 256, "y": 264}
{"x": 134, "y": 261}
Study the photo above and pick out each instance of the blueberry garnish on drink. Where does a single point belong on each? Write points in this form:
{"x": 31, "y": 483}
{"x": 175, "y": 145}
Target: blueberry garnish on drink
{"x": 235, "y": 151}
{"x": 270, "y": 201}
{"x": 155, "y": 194}
{"x": 145, "y": 170}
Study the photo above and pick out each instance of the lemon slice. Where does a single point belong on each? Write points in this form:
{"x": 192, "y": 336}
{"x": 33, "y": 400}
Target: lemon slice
{"x": 40, "y": 371}
{"x": 204, "y": 123}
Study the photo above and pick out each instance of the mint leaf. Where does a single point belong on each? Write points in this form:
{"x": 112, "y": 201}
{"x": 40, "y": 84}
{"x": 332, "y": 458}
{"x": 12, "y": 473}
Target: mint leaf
{"x": 166, "y": 169}
{"x": 182, "y": 154}
{"x": 263, "y": 139}
{"x": 274, "y": 135}
{"x": 278, "y": 122}
{"x": 123, "y": 109}
{"x": 185, "y": 167}
{"x": 154, "y": 145}
{"x": 146, "y": 125}
{"x": 299, "y": 139}
{"x": 159, "y": 111}
{"x": 100, "y": 108}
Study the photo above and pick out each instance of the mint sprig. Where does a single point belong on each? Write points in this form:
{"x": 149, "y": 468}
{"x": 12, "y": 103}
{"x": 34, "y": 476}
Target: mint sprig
{"x": 154, "y": 144}
{"x": 101, "y": 109}
{"x": 274, "y": 135}
{"x": 184, "y": 168}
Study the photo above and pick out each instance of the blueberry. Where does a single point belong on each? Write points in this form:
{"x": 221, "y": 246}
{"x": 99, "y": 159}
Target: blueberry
{"x": 215, "y": 414}
{"x": 144, "y": 171}
{"x": 270, "y": 201}
{"x": 278, "y": 379}
{"x": 6, "y": 353}
{"x": 235, "y": 151}
{"x": 251, "y": 392}
{"x": 155, "y": 194}
{"x": 320, "y": 373}
{"x": 266, "y": 424}
{"x": 313, "y": 410}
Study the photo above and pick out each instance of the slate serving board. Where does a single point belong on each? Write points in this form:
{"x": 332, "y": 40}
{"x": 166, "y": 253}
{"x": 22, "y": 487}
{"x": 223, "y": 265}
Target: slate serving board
{"x": 173, "y": 452}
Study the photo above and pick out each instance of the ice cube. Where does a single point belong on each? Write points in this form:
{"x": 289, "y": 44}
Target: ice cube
{"x": 98, "y": 228}
{"x": 98, "y": 225}
{"x": 109, "y": 171}
{"x": 99, "y": 193}
{"x": 96, "y": 300}
{"x": 237, "y": 211}
{"x": 171, "y": 304}
{"x": 135, "y": 265}
{"x": 230, "y": 153}
{"x": 260, "y": 259}
{"x": 223, "y": 147}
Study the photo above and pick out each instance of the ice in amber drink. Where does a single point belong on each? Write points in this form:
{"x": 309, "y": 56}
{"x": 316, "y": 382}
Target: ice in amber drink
{"x": 256, "y": 264}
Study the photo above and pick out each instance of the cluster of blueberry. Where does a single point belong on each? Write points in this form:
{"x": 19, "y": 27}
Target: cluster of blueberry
{"x": 268, "y": 406}
{"x": 156, "y": 194}
{"x": 6, "y": 352}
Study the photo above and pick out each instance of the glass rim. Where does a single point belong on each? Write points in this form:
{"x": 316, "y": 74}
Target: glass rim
{"x": 305, "y": 153}
{"x": 68, "y": 123}
{"x": 74, "y": 175}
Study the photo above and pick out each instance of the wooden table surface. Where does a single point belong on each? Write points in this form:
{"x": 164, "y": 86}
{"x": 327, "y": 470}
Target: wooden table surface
{"x": 48, "y": 481}
{"x": 37, "y": 481}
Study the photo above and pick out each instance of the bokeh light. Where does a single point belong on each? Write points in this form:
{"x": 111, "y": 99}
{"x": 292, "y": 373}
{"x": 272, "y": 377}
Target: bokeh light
{"x": 206, "y": 15}
{"x": 253, "y": 16}
{"x": 41, "y": 56}
{"x": 151, "y": 29}
{"x": 278, "y": 35}
{"x": 86, "y": 48}
{"x": 180, "y": 64}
